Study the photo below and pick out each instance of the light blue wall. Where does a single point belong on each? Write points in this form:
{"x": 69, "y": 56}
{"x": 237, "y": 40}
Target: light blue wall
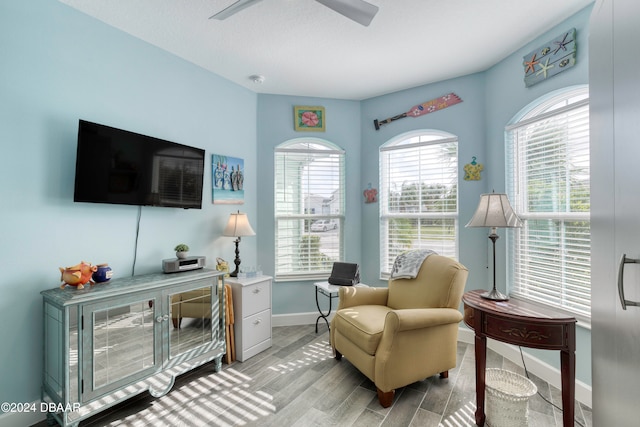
{"x": 506, "y": 95}
{"x": 59, "y": 65}
{"x": 275, "y": 126}
{"x": 466, "y": 121}
{"x": 490, "y": 100}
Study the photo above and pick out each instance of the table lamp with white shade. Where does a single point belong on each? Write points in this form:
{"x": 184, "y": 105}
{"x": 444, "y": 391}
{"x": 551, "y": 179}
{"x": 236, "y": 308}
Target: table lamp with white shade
{"x": 238, "y": 226}
{"x": 494, "y": 210}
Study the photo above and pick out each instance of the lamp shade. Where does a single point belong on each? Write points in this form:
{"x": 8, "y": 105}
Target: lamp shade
{"x": 494, "y": 210}
{"x": 238, "y": 226}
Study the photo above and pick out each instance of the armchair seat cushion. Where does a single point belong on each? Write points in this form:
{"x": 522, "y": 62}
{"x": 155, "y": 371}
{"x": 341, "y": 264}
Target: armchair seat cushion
{"x": 362, "y": 325}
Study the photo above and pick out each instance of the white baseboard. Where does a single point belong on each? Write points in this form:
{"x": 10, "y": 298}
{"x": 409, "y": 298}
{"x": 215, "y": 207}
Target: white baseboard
{"x": 534, "y": 365}
{"x": 296, "y": 319}
{"x": 21, "y": 419}
{"x": 511, "y": 352}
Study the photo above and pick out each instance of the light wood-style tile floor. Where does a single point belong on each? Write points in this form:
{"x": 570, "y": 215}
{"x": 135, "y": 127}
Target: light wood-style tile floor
{"x": 298, "y": 383}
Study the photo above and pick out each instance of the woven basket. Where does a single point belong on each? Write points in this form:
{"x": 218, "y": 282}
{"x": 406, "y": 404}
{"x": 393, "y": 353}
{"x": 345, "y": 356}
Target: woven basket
{"x": 507, "y": 403}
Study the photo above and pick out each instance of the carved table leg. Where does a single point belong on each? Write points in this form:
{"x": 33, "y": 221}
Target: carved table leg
{"x": 568, "y": 372}
{"x": 481, "y": 364}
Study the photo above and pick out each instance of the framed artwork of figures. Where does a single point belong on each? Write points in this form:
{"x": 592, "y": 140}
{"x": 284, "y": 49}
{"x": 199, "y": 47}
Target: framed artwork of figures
{"x": 227, "y": 180}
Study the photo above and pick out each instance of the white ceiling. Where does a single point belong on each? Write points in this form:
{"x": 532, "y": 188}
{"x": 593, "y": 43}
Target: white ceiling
{"x": 304, "y": 48}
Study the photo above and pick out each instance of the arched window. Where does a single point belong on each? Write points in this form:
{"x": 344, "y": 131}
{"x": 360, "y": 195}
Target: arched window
{"x": 418, "y": 195}
{"x": 548, "y": 181}
{"x": 309, "y": 208}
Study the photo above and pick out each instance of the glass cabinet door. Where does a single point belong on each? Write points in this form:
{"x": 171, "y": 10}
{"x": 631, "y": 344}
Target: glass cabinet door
{"x": 121, "y": 343}
{"x": 195, "y": 319}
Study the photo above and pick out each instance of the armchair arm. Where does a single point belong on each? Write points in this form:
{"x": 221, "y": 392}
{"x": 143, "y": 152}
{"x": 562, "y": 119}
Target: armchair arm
{"x": 351, "y": 296}
{"x": 417, "y": 318}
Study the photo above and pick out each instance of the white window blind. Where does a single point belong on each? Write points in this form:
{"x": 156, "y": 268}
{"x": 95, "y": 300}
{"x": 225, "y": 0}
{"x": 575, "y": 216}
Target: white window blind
{"x": 418, "y": 196}
{"x": 549, "y": 183}
{"x": 309, "y": 208}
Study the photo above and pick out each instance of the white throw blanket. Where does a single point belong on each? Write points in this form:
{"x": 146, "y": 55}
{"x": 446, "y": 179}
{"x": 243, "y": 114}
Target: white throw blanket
{"x": 407, "y": 265}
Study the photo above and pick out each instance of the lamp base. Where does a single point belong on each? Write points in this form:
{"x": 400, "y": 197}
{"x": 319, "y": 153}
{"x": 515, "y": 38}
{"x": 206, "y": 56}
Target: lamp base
{"x": 236, "y": 261}
{"x": 495, "y": 295}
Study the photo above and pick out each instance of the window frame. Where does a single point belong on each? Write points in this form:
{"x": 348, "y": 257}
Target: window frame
{"x": 566, "y": 295}
{"x": 293, "y": 234}
{"x": 424, "y": 140}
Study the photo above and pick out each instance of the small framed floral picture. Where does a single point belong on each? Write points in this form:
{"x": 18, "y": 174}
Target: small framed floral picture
{"x": 309, "y": 118}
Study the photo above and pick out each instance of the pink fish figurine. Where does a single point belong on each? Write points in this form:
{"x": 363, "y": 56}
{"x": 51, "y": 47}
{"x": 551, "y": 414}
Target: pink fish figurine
{"x": 78, "y": 275}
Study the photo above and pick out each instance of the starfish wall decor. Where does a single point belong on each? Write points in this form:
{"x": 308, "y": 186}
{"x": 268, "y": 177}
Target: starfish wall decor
{"x": 550, "y": 59}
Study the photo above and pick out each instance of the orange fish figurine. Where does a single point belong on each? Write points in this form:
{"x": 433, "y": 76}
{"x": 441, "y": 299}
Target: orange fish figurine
{"x": 78, "y": 275}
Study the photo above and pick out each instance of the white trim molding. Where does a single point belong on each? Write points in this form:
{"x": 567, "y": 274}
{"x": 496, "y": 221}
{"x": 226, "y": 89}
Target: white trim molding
{"x": 534, "y": 365}
{"x": 296, "y": 319}
{"x": 21, "y": 419}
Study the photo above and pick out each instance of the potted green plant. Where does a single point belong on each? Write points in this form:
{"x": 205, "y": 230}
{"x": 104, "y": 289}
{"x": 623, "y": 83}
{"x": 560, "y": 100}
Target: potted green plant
{"x": 181, "y": 250}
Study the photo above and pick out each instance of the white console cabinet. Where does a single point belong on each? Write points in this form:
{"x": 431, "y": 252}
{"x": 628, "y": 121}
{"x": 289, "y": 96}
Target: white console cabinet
{"x": 252, "y": 314}
{"x": 110, "y": 341}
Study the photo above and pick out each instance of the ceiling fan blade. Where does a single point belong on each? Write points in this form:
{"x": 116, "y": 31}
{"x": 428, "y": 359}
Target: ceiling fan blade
{"x": 357, "y": 10}
{"x": 233, "y": 9}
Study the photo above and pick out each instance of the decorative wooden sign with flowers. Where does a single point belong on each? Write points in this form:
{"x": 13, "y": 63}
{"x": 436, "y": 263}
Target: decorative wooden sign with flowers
{"x": 309, "y": 118}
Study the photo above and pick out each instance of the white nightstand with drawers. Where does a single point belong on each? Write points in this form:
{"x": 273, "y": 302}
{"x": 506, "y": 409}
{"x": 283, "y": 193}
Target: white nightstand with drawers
{"x": 252, "y": 314}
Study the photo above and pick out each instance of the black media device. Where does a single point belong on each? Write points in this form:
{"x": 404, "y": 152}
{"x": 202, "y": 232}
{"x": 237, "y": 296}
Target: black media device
{"x": 344, "y": 274}
{"x": 122, "y": 167}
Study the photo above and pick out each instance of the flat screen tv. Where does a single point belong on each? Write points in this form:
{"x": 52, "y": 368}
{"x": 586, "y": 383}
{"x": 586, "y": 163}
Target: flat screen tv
{"x": 122, "y": 167}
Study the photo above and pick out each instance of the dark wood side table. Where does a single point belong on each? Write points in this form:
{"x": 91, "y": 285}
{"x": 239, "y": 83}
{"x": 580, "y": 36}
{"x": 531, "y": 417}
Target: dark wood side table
{"x": 520, "y": 323}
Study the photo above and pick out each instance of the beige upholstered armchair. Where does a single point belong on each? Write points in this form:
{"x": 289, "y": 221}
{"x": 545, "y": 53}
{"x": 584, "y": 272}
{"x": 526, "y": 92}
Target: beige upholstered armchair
{"x": 406, "y": 332}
